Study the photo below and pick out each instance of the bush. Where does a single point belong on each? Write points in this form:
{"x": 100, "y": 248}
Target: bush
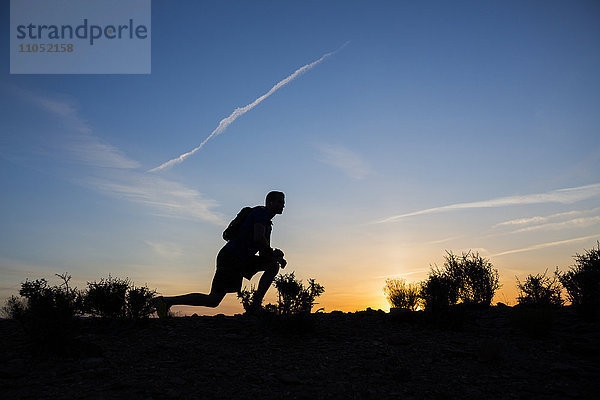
{"x": 118, "y": 298}
{"x": 106, "y": 298}
{"x": 48, "y": 313}
{"x": 45, "y": 312}
{"x": 540, "y": 290}
{"x": 14, "y": 308}
{"x": 469, "y": 279}
{"x": 582, "y": 281}
{"x": 139, "y": 302}
{"x": 293, "y": 297}
{"x": 56, "y": 302}
{"x": 246, "y": 296}
{"x": 402, "y": 295}
{"x": 438, "y": 291}
{"x": 473, "y": 276}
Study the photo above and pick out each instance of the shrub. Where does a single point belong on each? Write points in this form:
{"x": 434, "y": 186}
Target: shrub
{"x": 56, "y": 302}
{"x": 582, "y": 281}
{"x": 293, "y": 297}
{"x": 118, "y": 298}
{"x": 401, "y": 294}
{"x": 246, "y": 296}
{"x": 473, "y": 276}
{"x": 139, "y": 302}
{"x": 107, "y": 298}
{"x": 438, "y": 291}
{"x": 14, "y": 308}
{"x": 540, "y": 290}
{"x": 46, "y": 313}
{"x": 468, "y": 278}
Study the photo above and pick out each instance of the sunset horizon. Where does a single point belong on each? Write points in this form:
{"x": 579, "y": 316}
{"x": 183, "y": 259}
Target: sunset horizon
{"x": 397, "y": 131}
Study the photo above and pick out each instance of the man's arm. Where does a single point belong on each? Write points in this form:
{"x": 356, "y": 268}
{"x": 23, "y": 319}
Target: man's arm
{"x": 260, "y": 239}
{"x": 265, "y": 247}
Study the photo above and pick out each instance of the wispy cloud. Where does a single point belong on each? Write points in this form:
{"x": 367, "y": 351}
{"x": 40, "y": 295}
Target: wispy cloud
{"x": 544, "y": 245}
{"x": 238, "y": 112}
{"x": 88, "y": 149}
{"x": 166, "y": 249}
{"x": 344, "y": 159}
{"x": 572, "y": 223}
{"x": 402, "y": 275}
{"x": 64, "y": 110}
{"x": 544, "y": 219}
{"x": 448, "y": 239}
{"x": 163, "y": 197}
{"x": 564, "y": 196}
{"x": 115, "y": 174}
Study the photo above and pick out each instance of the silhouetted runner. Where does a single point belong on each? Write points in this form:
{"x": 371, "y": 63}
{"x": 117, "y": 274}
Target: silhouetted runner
{"x": 239, "y": 259}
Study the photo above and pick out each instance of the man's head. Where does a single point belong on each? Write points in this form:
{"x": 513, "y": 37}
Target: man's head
{"x": 275, "y": 202}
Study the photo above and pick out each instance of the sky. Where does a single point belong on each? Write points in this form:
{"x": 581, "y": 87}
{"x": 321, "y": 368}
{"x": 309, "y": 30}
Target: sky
{"x": 424, "y": 127}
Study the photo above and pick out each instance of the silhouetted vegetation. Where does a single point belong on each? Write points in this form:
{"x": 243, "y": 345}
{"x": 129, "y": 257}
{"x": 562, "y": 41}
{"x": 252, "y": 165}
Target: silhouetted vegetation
{"x": 246, "y": 296}
{"x": 540, "y": 290}
{"x": 139, "y": 302}
{"x": 106, "y": 299}
{"x": 46, "y": 312}
{"x": 14, "y": 308}
{"x": 118, "y": 298}
{"x": 44, "y": 305}
{"x": 474, "y": 276}
{"x": 469, "y": 278}
{"x": 292, "y": 296}
{"x": 582, "y": 281}
{"x": 401, "y": 294}
{"x": 438, "y": 291}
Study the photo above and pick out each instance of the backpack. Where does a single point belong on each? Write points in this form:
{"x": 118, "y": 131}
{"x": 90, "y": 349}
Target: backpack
{"x": 234, "y": 226}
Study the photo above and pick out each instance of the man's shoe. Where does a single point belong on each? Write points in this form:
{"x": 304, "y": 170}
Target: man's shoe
{"x": 162, "y": 309}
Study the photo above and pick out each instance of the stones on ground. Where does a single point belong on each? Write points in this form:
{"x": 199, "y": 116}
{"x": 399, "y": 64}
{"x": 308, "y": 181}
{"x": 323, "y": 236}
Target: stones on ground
{"x": 289, "y": 378}
{"x": 341, "y": 357}
{"x": 92, "y": 362}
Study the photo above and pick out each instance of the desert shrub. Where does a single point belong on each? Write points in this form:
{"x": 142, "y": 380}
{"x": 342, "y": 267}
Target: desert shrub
{"x": 468, "y": 278}
{"x": 14, "y": 308}
{"x": 401, "y": 294}
{"x": 438, "y": 291}
{"x": 118, "y": 298}
{"x": 582, "y": 281}
{"x": 107, "y": 298}
{"x": 46, "y": 313}
{"x": 57, "y": 302}
{"x": 139, "y": 302}
{"x": 540, "y": 290}
{"x": 246, "y": 296}
{"x": 473, "y": 276}
{"x": 293, "y": 297}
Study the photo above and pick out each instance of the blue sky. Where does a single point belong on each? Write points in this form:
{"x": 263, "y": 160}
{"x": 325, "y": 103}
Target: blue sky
{"x": 441, "y": 125}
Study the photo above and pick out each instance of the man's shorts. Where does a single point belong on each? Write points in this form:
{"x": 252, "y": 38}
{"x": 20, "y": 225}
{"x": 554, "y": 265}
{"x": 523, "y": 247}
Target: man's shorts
{"x": 231, "y": 269}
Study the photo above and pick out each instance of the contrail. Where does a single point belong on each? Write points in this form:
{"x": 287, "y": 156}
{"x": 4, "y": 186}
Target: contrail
{"x": 544, "y": 245}
{"x": 238, "y": 112}
{"x": 562, "y": 196}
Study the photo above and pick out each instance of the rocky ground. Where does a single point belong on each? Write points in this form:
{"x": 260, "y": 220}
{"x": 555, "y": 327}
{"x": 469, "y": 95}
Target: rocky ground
{"x": 500, "y": 353}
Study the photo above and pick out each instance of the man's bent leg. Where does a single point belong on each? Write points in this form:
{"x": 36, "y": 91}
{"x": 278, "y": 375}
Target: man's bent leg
{"x": 212, "y": 299}
{"x": 271, "y": 271}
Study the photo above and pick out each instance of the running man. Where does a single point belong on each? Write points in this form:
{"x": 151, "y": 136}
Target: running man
{"x": 239, "y": 259}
